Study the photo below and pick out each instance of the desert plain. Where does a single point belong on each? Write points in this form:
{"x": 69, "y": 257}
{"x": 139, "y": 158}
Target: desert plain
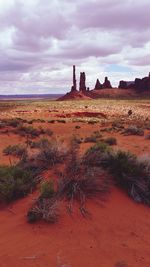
{"x": 117, "y": 232}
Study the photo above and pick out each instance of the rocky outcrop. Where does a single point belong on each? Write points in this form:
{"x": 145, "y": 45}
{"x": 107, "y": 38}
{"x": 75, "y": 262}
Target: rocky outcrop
{"x": 82, "y": 84}
{"x": 142, "y": 84}
{"x": 139, "y": 85}
{"x": 98, "y": 85}
{"x": 123, "y": 85}
{"x": 74, "y": 86}
{"x": 106, "y": 83}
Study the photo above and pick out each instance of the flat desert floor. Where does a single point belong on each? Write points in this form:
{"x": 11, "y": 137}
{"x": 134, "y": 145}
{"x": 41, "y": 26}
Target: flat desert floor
{"x": 118, "y": 232}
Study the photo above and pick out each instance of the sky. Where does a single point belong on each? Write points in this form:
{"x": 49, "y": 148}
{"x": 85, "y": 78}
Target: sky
{"x": 40, "y": 40}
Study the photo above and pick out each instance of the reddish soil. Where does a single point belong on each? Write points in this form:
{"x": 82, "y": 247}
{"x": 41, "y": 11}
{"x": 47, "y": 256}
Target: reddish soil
{"x": 74, "y": 96}
{"x": 94, "y": 94}
{"x": 83, "y": 114}
{"x": 117, "y": 232}
{"x": 117, "y": 235}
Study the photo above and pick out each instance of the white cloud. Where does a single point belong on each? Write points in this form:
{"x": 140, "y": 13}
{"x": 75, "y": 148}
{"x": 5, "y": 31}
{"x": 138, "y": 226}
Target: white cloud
{"x": 41, "y": 40}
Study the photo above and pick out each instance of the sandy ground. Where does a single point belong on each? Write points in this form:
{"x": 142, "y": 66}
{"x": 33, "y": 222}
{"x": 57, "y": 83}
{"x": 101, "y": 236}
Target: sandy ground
{"x": 117, "y": 234}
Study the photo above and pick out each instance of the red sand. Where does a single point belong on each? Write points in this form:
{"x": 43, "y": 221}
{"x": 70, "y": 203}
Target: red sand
{"x": 119, "y": 230}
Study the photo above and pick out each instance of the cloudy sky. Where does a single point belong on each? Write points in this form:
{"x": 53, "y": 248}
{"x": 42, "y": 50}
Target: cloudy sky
{"x": 40, "y": 40}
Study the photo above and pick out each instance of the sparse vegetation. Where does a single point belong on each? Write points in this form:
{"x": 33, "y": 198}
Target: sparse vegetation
{"x": 93, "y": 138}
{"x": 47, "y": 189}
{"x": 77, "y": 127}
{"x": 97, "y": 155}
{"x": 61, "y": 121}
{"x": 133, "y": 130}
{"x": 50, "y": 153}
{"x": 15, "y": 150}
{"x": 111, "y": 141}
{"x": 92, "y": 122}
{"x": 44, "y": 209}
{"x": 51, "y": 121}
{"x": 15, "y": 182}
{"x": 79, "y": 182}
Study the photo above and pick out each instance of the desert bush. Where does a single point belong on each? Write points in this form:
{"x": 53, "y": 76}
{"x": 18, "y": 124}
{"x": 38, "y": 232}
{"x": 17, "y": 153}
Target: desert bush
{"x": 132, "y": 174}
{"x": 51, "y": 121}
{"x": 97, "y": 134}
{"x": 15, "y": 183}
{"x": 111, "y": 141}
{"x": 77, "y": 127}
{"x": 48, "y": 132}
{"x": 92, "y": 122}
{"x": 133, "y": 130}
{"x": 15, "y": 122}
{"x": 44, "y": 209}
{"x": 93, "y": 138}
{"x": 97, "y": 155}
{"x": 42, "y": 142}
{"x": 61, "y": 121}
{"x": 79, "y": 182}
{"x": 50, "y": 153}
{"x": 117, "y": 124}
{"x": 90, "y": 139}
{"x": 47, "y": 189}
{"x": 15, "y": 150}
{"x": 82, "y": 183}
{"x": 28, "y": 131}
{"x": 129, "y": 172}
{"x": 77, "y": 140}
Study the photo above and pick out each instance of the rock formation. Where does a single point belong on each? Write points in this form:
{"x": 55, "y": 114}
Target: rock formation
{"x": 123, "y": 85}
{"x": 74, "y": 86}
{"x": 139, "y": 84}
{"x": 98, "y": 85}
{"x": 82, "y": 84}
{"x": 142, "y": 84}
{"x": 106, "y": 83}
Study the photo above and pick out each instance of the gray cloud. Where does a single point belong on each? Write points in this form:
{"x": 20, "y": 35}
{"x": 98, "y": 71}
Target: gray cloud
{"x": 40, "y": 40}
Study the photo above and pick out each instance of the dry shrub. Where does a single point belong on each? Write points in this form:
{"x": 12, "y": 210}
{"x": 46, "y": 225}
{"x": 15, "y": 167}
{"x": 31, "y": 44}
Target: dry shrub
{"x": 97, "y": 155}
{"x": 111, "y": 141}
{"x": 44, "y": 209}
{"x": 15, "y": 150}
{"x": 133, "y": 130}
{"x": 51, "y": 153}
{"x": 79, "y": 182}
{"x": 132, "y": 174}
{"x": 15, "y": 183}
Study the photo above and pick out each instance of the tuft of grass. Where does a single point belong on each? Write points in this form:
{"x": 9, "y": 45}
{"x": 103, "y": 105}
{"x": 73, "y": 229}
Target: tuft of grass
{"x": 131, "y": 174}
{"x": 97, "y": 155}
{"x": 79, "y": 182}
{"x": 50, "y": 153}
{"x": 77, "y": 127}
{"x": 15, "y": 150}
{"x": 92, "y": 122}
{"x": 47, "y": 189}
{"x": 61, "y": 121}
{"x": 51, "y": 121}
{"x": 111, "y": 141}
{"x": 44, "y": 209}
{"x": 93, "y": 138}
{"x": 133, "y": 130}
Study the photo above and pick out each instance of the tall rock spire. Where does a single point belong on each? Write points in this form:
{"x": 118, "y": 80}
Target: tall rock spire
{"x": 74, "y": 86}
{"x": 82, "y": 85}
